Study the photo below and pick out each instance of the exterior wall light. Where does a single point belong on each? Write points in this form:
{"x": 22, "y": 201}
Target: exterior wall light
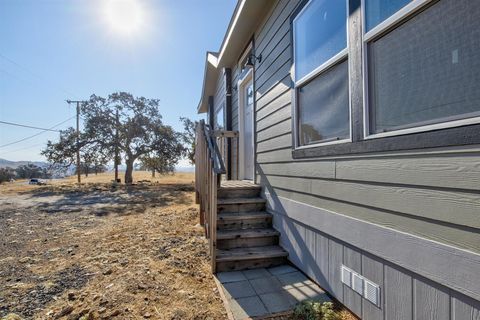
{"x": 251, "y": 60}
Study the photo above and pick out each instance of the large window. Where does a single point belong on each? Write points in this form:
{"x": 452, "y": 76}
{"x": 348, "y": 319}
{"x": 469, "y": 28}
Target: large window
{"x": 409, "y": 81}
{"x": 425, "y": 72}
{"x": 321, "y": 73}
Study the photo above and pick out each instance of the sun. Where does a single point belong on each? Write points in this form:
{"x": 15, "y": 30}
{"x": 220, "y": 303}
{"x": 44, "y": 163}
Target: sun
{"x": 125, "y": 17}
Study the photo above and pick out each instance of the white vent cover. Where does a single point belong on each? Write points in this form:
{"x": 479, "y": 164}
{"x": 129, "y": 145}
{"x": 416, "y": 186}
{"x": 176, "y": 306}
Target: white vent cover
{"x": 361, "y": 285}
{"x": 347, "y": 276}
{"x": 358, "y": 283}
{"x": 372, "y": 292}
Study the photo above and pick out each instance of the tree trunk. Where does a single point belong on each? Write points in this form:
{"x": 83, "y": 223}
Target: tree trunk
{"x": 129, "y": 171}
{"x": 153, "y": 173}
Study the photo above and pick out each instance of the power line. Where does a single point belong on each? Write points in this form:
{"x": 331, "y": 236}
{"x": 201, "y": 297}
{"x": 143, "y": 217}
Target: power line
{"x": 27, "y": 126}
{"x": 24, "y": 148}
{"x": 37, "y": 134}
{"x": 18, "y": 65}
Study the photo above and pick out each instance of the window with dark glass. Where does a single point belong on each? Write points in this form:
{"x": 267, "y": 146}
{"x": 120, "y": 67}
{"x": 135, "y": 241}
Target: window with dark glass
{"x": 427, "y": 70}
{"x": 321, "y": 72}
{"x": 376, "y": 11}
{"x": 219, "y": 119}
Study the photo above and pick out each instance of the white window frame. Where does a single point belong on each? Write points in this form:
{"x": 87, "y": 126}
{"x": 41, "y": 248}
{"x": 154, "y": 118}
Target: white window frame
{"x": 342, "y": 55}
{"x": 377, "y": 32}
{"x": 220, "y": 108}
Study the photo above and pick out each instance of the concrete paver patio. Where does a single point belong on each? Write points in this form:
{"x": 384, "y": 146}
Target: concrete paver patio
{"x": 265, "y": 292}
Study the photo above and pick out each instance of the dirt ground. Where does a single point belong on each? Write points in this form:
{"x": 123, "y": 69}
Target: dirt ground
{"x": 97, "y": 251}
{"x": 103, "y": 252}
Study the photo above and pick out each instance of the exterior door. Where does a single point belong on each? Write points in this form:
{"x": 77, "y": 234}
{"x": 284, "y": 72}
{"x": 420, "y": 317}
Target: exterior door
{"x": 248, "y": 148}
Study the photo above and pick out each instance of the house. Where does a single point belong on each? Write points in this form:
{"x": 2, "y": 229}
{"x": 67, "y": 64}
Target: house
{"x": 358, "y": 123}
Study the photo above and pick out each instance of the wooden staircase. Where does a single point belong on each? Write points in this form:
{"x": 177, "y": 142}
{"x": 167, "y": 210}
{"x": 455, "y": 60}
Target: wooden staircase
{"x": 239, "y": 230}
{"x": 245, "y": 238}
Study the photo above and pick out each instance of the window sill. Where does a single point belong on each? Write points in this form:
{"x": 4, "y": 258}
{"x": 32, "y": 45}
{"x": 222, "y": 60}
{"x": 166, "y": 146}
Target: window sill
{"x": 458, "y": 136}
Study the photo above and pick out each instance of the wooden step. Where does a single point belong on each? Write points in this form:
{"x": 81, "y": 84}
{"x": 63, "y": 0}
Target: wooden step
{"x": 252, "y": 191}
{"x": 250, "y": 258}
{"x": 247, "y": 238}
{"x": 244, "y": 220}
{"x": 241, "y": 204}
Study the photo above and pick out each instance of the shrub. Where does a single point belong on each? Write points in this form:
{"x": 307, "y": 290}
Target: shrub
{"x": 315, "y": 310}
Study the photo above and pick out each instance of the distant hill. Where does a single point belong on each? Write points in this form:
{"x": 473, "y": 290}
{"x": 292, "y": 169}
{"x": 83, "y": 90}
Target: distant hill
{"x": 14, "y": 164}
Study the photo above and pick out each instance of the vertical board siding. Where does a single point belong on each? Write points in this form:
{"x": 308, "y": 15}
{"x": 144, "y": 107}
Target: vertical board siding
{"x": 373, "y": 271}
{"x": 320, "y": 267}
{"x": 464, "y": 308}
{"x": 404, "y": 295}
{"x": 335, "y": 260}
{"x": 432, "y": 302}
{"x": 353, "y": 260}
{"x": 398, "y": 294}
{"x": 309, "y": 253}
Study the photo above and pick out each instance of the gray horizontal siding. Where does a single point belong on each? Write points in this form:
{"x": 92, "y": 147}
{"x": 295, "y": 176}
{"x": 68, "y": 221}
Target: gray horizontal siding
{"x": 279, "y": 142}
{"x": 280, "y": 102}
{"x": 276, "y": 130}
{"x": 427, "y": 196}
{"x": 435, "y": 197}
{"x": 459, "y": 208}
{"x": 414, "y": 188}
{"x": 451, "y": 171}
{"x": 284, "y": 112}
{"x": 219, "y": 98}
{"x": 264, "y": 98}
{"x": 442, "y": 232}
{"x": 235, "y": 121}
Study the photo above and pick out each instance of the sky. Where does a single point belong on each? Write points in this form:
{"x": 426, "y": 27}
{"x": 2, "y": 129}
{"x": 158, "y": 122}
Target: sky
{"x": 53, "y": 50}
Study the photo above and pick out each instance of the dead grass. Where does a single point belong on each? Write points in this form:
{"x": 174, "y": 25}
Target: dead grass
{"x": 107, "y": 177}
{"x": 124, "y": 253}
{"x": 102, "y": 178}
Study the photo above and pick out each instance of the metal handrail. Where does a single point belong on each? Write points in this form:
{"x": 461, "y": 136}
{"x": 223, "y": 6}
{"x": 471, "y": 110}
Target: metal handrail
{"x": 209, "y": 166}
{"x": 218, "y": 164}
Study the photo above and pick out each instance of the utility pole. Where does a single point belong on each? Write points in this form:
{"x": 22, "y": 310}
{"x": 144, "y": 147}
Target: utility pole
{"x": 78, "y": 137}
{"x": 116, "y": 146}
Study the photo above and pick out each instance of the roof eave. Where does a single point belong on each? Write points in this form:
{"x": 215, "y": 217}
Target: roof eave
{"x": 211, "y": 62}
{"x": 237, "y": 36}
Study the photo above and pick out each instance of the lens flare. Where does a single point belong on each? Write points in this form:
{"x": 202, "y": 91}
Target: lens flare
{"x": 125, "y": 17}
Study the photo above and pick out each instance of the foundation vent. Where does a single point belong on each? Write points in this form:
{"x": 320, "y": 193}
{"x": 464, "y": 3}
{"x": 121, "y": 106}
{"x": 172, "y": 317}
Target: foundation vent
{"x": 358, "y": 283}
{"x": 347, "y": 276}
{"x": 361, "y": 285}
{"x": 372, "y": 292}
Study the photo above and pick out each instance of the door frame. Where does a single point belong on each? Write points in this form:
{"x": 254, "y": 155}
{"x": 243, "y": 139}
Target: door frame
{"x": 241, "y": 85}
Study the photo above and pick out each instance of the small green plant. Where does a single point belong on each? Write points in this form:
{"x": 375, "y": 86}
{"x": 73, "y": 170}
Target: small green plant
{"x": 328, "y": 313}
{"x": 315, "y": 310}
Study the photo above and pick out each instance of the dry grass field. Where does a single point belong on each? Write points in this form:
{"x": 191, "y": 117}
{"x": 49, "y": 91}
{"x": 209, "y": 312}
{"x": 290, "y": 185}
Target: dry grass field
{"x": 98, "y": 252}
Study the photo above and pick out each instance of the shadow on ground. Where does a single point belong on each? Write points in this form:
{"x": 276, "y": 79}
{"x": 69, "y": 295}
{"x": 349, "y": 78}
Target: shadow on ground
{"x": 105, "y": 199}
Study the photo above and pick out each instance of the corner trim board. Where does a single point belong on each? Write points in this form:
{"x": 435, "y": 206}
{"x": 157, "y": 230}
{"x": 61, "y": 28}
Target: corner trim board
{"x": 452, "y": 267}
